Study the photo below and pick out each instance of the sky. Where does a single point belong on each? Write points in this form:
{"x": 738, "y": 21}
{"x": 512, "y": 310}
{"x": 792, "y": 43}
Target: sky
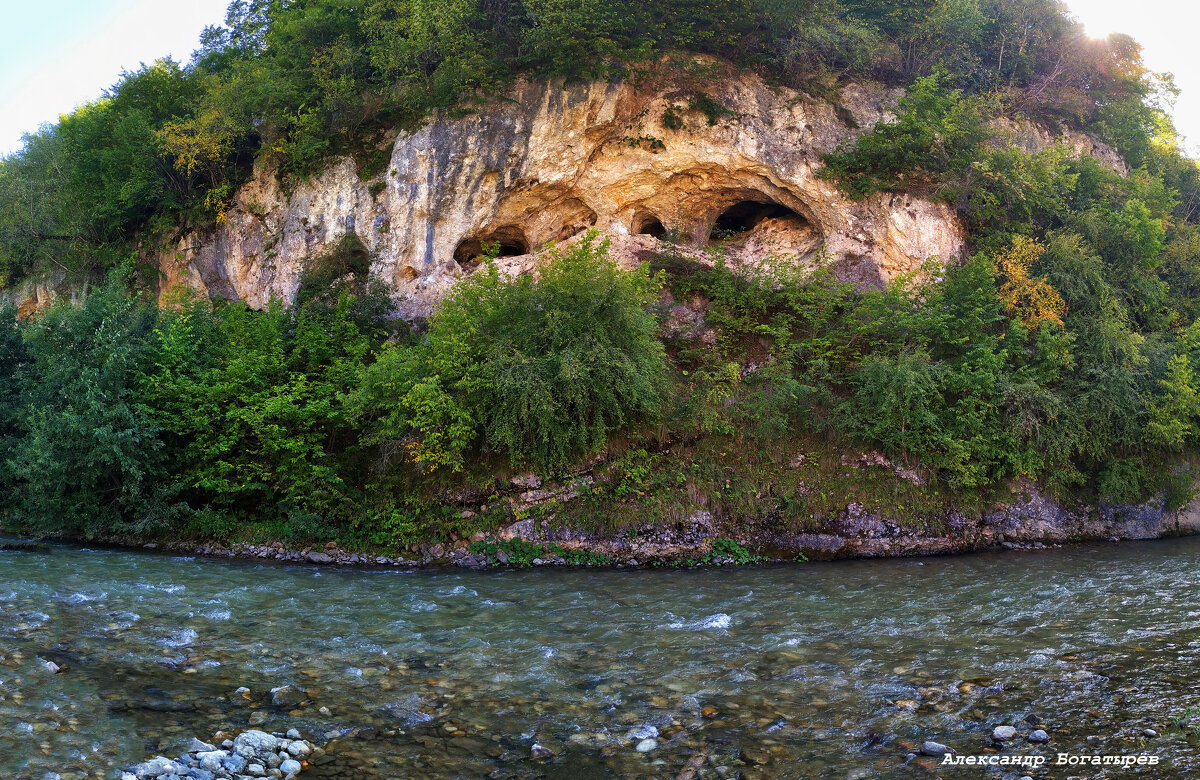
{"x": 57, "y": 54}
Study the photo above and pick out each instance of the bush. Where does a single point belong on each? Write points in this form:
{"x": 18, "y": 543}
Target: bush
{"x": 90, "y": 460}
{"x": 542, "y": 368}
{"x": 13, "y": 360}
{"x": 938, "y": 131}
{"x": 732, "y": 552}
{"x": 255, "y": 408}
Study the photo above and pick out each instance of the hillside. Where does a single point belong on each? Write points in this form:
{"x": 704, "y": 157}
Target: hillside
{"x": 785, "y": 273}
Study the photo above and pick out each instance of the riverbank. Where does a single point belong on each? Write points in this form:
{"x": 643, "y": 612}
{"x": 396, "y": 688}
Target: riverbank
{"x": 1031, "y": 521}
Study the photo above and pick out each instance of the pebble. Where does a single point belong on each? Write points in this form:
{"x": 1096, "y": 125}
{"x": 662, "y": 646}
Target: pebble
{"x": 642, "y": 732}
{"x": 1039, "y": 736}
{"x": 930, "y": 748}
{"x": 1003, "y": 733}
{"x": 646, "y": 745}
{"x": 541, "y": 751}
{"x": 288, "y": 696}
{"x": 1149, "y": 733}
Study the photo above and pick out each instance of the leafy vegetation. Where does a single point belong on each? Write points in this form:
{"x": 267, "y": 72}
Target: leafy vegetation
{"x": 289, "y": 82}
{"x": 522, "y": 554}
{"x": 1064, "y": 350}
{"x": 729, "y": 550}
{"x": 545, "y": 370}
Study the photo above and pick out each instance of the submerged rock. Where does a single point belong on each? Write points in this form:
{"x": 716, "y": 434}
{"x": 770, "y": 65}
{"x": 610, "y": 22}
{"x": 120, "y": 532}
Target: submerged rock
{"x": 288, "y": 696}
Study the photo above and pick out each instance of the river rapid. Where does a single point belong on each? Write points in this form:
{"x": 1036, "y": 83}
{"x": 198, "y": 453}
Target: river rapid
{"x": 822, "y": 670}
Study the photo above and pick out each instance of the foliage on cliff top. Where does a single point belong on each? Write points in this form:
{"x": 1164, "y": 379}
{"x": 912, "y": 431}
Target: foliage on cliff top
{"x": 292, "y": 81}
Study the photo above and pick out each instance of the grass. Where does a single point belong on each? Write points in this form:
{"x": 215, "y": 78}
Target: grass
{"x": 522, "y": 554}
{"x": 750, "y": 484}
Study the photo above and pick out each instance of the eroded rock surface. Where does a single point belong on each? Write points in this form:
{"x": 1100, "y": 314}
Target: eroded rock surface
{"x": 550, "y": 161}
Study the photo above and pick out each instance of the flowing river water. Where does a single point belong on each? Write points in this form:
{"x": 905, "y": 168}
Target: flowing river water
{"x": 829, "y": 670}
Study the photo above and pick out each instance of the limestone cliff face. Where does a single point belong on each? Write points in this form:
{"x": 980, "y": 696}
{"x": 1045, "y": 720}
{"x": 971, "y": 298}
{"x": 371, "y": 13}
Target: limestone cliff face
{"x": 548, "y": 161}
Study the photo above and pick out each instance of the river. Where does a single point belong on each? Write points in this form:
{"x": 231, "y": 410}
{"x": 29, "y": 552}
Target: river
{"x": 829, "y": 670}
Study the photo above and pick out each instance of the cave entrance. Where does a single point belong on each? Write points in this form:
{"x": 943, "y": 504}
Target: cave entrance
{"x": 511, "y": 239}
{"x": 743, "y": 217}
{"x": 648, "y": 225}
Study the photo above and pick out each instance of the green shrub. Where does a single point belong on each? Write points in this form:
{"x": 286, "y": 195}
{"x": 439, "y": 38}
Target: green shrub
{"x": 729, "y": 549}
{"x": 522, "y": 554}
{"x": 255, "y": 408}
{"x": 938, "y": 131}
{"x": 90, "y": 459}
{"x": 14, "y": 358}
{"x": 542, "y": 368}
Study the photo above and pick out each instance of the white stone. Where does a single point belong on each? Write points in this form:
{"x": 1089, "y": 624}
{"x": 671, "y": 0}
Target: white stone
{"x": 256, "y": 740}
{"x": 299, "y": 749}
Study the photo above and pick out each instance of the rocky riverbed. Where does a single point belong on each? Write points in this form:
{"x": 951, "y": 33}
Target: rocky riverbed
{"x": 109, "y": 659}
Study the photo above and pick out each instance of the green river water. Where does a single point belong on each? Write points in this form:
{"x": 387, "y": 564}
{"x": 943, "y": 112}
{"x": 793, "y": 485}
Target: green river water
{"x": 824, "y": 670}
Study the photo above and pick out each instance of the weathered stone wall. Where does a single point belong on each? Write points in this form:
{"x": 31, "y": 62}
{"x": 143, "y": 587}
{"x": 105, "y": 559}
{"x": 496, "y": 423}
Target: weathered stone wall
{"x": 548, "y": 161}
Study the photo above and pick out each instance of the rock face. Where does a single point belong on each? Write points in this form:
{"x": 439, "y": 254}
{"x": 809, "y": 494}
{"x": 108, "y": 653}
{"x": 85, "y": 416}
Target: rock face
{"x": 1035, "y": 138}
{"x": 1031, "y": 519}
{"x": 552, "y": 160}
{"x": 33, "y": 295}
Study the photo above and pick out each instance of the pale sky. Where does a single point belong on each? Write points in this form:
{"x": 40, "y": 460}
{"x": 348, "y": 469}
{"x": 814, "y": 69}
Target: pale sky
{"x": 57, "y": 54}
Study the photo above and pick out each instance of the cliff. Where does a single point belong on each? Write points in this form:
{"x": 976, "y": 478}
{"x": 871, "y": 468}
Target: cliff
{"x": 548, "y": 161}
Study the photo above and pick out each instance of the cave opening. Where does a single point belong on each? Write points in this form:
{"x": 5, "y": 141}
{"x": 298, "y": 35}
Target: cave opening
{"x": 511, "y": 240}
{"x": 648, "y": 225}
{"x": 745, "y": 216}
{"x": 575, "y": 216}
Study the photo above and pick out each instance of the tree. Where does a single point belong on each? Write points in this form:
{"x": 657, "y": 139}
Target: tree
{"x": 895, "y": 400}
{"x": 90, "y": 459}
{"x": 1031, "y": 299}
{"x": 1174, "y": 411}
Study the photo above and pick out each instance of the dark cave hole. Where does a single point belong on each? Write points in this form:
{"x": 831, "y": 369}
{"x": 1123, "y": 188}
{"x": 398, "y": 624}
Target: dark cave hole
{"x": 649, "y": 225}
{"x": 741, "y": 218}
{"x": 511, "y": 240}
